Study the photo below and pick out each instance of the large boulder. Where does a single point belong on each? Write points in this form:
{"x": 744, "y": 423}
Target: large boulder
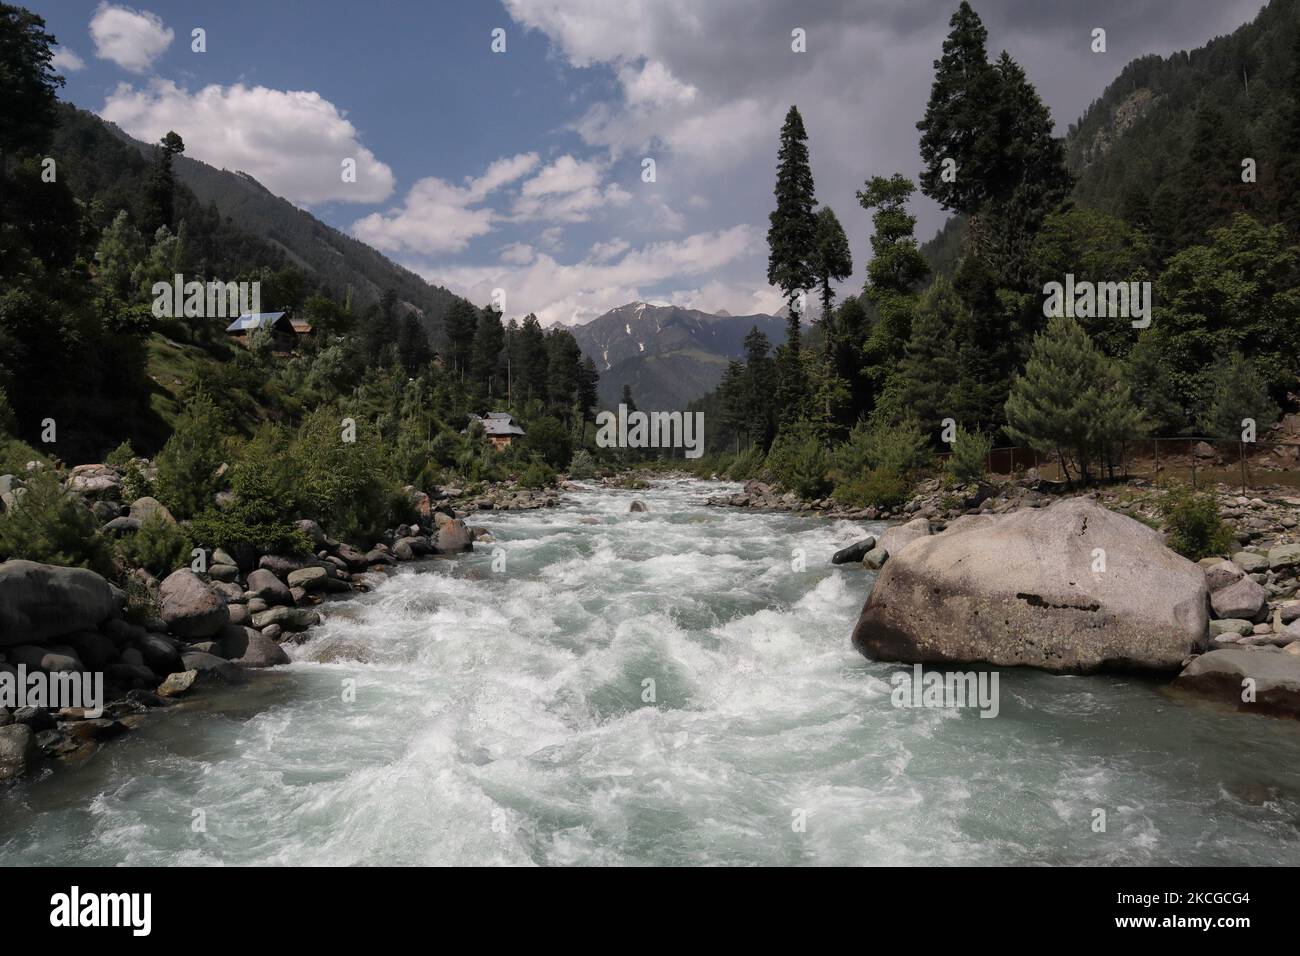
{"x": 895, "y": 539}
{"x": 452, "y": 537}
{"x": 1020, "y": 590}
{"x": 1223, "y": 674}
{"x": 38, "y": 601}
{"x": 190, "y": 606}
{"x": 142, "y": 509}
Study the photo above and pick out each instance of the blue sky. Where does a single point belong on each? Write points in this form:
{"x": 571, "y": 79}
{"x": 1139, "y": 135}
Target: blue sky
{"x": 522, "y": 170}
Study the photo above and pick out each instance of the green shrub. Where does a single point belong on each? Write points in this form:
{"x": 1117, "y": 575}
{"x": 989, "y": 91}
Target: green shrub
{"x": 901, "y": 449}
{"x": 799, "y": 461}
{"x": 582, "y": 465}
{"x": 748, "y": 464}
{"x": 878, "y": 487}
{"x": 120, "y": 456}
{"x": 550, "y": 439}
{"x": 160, "y": 546}
{"x": 345, "y": 485}
{"x": 970, "y": 455}
{"x": 52, "y": 527}
{"x": 1193, "y": 526}
{"x": 537, "y": 475}
{"x": 188, "y": 463}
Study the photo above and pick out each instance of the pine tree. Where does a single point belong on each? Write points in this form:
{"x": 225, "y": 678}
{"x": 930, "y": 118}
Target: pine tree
{"x": 1070, "y": 400}
{"x": 1239, "y": 393}
{"x": 161, "y": 186}
{"x": 929, "y": 367}
{"x": 588, "y": 383}
{"x": 760, "y": 389}
{"x": 834, "y": 262}
{"x": 489, "y": 339}
{"x": 792, "y": 251}
{"x": 412, "y": 345}
{"x": 627, "y": 399}
{"x": 958, "y": 123}
{"x": 792, "y": 234}
{"x": 893, "y": 274}
{"x": 461, "y": 322}
{"x": 532, "y": 360}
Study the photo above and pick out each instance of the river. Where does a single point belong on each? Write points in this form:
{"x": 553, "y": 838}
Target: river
{"x": 670, "y": 687}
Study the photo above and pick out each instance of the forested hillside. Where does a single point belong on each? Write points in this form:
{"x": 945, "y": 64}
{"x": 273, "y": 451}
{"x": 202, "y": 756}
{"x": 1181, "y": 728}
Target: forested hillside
{"x": 1178, "y": 187}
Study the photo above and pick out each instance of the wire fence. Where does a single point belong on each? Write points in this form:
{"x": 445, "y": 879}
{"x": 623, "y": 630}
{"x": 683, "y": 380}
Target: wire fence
{"x": 1197, "y": 461}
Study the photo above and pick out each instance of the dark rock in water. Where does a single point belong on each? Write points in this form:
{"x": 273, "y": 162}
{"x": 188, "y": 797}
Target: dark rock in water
{"x": 1222, "y": 675}
{"x": 1070, "y": 588}
{"x": 178, "y": 684}
{"x": 98, "y": 729}
{"x": 855, "y": 552}
{"x": 94, "y": 649}
{"x": 38, "y": 601}
{"x": 250, "y": 648}
{"x": 211, "y": 668}
{"x": 638, "y": 505}
{"x": 37, "y": 718}
{"x": 191, "y": 608}
{"x": 160, "y": 654}
{"x": 17, "y": 750}
{"x": 356, "y": 561}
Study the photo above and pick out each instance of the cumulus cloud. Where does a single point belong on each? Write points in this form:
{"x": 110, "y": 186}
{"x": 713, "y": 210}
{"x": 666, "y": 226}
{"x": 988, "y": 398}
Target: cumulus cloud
{"x": 133, "y": 39}
{"x": 611, "y": 275}
{"x": 293, "y": 142}
{"x": 66, "y": 61}
{"x": 440, "y": 217}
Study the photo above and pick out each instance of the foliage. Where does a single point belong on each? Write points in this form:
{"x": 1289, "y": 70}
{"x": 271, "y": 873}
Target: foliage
{"x": 798, "y": 460}
{"x": 50, "y": 526}
{"x": 548, "y": 438}
{"x": 1193, "y": 526}
{"x": 537, "y": 475}
{"x": 970, "y": 456}
{"x": 1239, "y": 393}
{"x": 160, "y": 546}
{"x": 188, "y": 462}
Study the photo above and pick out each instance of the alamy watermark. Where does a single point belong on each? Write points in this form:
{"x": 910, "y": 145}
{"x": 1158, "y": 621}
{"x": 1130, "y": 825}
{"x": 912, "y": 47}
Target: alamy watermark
{"x": 1085, "y": 300}
{"x": 651, "y": 430}
{"x": 56, "y": 690}
{"x": 205, "y": 300}
{"x": 943, "y": 689}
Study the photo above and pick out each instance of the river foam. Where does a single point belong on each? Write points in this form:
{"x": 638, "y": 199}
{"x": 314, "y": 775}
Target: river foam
{"x": 503, "y": 717}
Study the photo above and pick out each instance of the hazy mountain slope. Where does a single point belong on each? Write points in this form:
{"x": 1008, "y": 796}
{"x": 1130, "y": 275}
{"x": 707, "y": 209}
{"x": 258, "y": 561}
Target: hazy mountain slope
{"x": 337, "y": 259}
{"x": 668, "y": 355}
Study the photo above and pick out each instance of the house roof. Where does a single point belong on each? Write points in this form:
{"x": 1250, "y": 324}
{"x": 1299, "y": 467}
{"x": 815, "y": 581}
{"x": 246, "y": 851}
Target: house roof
{"x": 254, "y": 320}
{"x": 498, "y": 424}
{"x": 301, "y": 326}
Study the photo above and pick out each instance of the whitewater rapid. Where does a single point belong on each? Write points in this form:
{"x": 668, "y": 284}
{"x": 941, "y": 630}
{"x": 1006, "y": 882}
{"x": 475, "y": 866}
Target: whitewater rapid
{"x": 669, "y": 687}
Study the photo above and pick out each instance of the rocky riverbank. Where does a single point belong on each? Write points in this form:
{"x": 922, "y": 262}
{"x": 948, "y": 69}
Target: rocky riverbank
{"x": 226, "y": 614}
{"x": 1084, "y": 583}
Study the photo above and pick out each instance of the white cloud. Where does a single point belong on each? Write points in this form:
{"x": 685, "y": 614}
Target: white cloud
{"x": 567, "y": 190}
{"x": 133, "y": 39}
{"x": 439, "y": 217}
{"x": 611, "y": 275}
{"x": 293, "y": 142}
{"x": 66, "y": 61}
{"x": 653, "y": 84}
{"x": 518, "y": 253}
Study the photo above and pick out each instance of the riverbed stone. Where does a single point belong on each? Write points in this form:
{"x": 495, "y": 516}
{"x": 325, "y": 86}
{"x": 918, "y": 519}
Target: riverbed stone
{"x": 251, "y": 648}
{"x": 1222, "y": 674}
{"x": 1242, "y": 599}
{"x": 263, "y": 584}
{"x": 453, "y": 537}
{"x": 309, "y": 579}
{"x": 1019, "y": 590}
{"x": 211, "y": 668}
{"x": 177, "y": 684}
{"x": 1284, "y": 556}
{"x": 1234, "y": 626}
{"x": 1250, "y": 562}
{"x": 875, "y": 559}
{"x": 190, "y": 606}
{"x": 1220, "y": 573}
{"x": 18, "y": 750}
{"x": 855, "y": 552}
{"x": 39, "y": 601}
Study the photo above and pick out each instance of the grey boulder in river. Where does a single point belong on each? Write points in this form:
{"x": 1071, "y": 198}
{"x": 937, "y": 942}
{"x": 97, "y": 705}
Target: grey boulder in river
{"x": 1070, "y": 588}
